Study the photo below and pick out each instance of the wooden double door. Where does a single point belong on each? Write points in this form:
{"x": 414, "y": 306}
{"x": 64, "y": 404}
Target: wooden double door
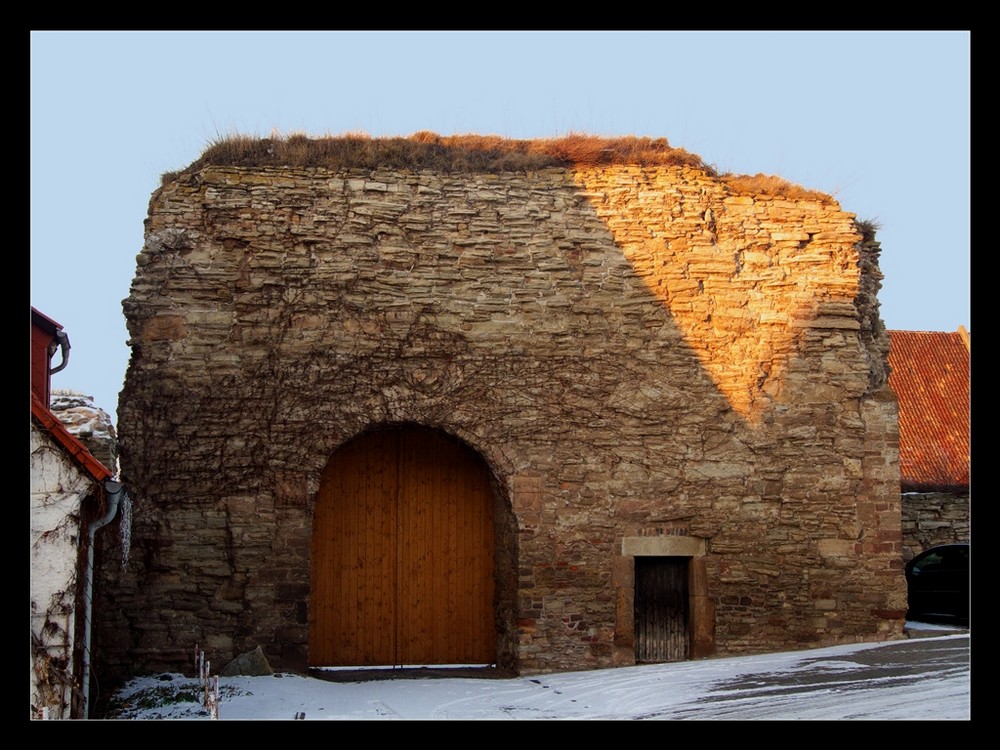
{"x": 403, "y": 554}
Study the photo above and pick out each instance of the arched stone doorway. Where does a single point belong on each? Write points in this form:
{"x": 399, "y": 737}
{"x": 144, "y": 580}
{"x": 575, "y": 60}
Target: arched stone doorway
{"x": 403, "y": 554}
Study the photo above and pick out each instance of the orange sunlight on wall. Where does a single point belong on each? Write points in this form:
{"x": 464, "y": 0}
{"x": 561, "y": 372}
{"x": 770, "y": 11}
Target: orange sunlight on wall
{"x": 742, "y": 280}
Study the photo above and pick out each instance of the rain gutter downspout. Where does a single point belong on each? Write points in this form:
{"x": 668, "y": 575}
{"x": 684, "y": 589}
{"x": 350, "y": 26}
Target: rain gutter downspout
{"x": 115, "y": 493}
{"x": 62, "y": 338}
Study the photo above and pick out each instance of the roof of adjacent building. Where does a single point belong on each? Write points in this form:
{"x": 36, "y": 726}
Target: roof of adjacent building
{"x": 44, "y": 322}
{"x": 69, "y": 442}
{"x": 40, "y": 409}
{"x": 931, "y": 378}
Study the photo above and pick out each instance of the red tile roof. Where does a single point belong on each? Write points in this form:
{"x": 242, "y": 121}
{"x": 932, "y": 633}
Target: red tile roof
{"x": 931, "y": 377}
{"x": 77, "y": 450}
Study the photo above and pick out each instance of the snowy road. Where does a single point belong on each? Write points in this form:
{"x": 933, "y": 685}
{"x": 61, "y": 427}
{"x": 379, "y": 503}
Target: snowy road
{"x": 917, "y": 679}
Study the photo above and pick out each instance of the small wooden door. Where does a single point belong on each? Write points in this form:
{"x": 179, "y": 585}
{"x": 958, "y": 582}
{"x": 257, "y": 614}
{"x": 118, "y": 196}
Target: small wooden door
{"x": 661, "y": 609}
{"x": 402, "y": 556}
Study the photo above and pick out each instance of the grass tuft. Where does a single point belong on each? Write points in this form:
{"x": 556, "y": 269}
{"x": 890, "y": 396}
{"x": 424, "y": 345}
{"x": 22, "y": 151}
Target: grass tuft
{"x": 868, "y": 228}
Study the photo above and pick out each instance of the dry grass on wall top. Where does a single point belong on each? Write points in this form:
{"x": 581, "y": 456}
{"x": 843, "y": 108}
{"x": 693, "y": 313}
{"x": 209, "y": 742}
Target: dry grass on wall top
{"x": 425, "y": 150}
{"x": 766, "y": 184}
{"x": 470, "y": 154}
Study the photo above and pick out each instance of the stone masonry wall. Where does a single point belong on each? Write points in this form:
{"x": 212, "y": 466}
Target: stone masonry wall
{"x": 932, "y": 518}
{"x": 636, "y": 352}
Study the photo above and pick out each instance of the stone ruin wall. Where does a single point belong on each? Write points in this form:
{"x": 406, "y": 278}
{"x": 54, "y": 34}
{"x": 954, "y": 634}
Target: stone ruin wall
{"x": 636, "y": 352}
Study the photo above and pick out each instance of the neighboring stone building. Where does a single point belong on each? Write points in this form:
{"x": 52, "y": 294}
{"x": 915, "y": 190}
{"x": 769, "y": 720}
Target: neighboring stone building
{"x": 930, "y": 375}
{"x": 88, "y": 423}
{"x": 556, "y": 417}
{"x": 71, "y": 497}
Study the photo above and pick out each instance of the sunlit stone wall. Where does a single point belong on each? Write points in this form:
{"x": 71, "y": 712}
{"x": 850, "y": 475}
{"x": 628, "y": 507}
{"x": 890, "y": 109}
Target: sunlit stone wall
{"x": 636, "y": 352}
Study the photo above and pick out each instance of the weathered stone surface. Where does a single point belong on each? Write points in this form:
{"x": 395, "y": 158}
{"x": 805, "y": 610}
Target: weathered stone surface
{"x": 932, "y": 518}
{"x": 626, "y": 367}
{"x": 88, "y": 423}
{"x": 251, "y": 664}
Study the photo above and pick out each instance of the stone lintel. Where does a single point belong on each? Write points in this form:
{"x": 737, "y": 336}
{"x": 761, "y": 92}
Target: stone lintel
{"x": 663, "y": 546}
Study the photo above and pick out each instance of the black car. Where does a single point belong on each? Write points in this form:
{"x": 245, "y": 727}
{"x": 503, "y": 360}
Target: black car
{"x": 937, "y": 584}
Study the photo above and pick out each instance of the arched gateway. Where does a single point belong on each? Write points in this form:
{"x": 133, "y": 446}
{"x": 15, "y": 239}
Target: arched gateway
{"x": 403, "y": 554}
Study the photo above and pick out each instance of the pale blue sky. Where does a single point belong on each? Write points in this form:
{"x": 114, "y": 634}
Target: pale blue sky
{"x": 881, "y": 120}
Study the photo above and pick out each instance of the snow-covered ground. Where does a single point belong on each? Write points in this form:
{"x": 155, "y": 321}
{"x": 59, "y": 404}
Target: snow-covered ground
{"x": 925, "y": 678}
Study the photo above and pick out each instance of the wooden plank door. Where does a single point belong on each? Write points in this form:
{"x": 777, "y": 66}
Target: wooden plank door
{"x": 403, "y": 554}
{"x": 445, "y": 590}
{"x": 661, "y": 609}
{"x": 353, "y": 598}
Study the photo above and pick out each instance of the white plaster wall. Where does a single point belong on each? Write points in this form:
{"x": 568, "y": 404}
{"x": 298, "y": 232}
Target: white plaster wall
{"x": 58, "y": 487}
